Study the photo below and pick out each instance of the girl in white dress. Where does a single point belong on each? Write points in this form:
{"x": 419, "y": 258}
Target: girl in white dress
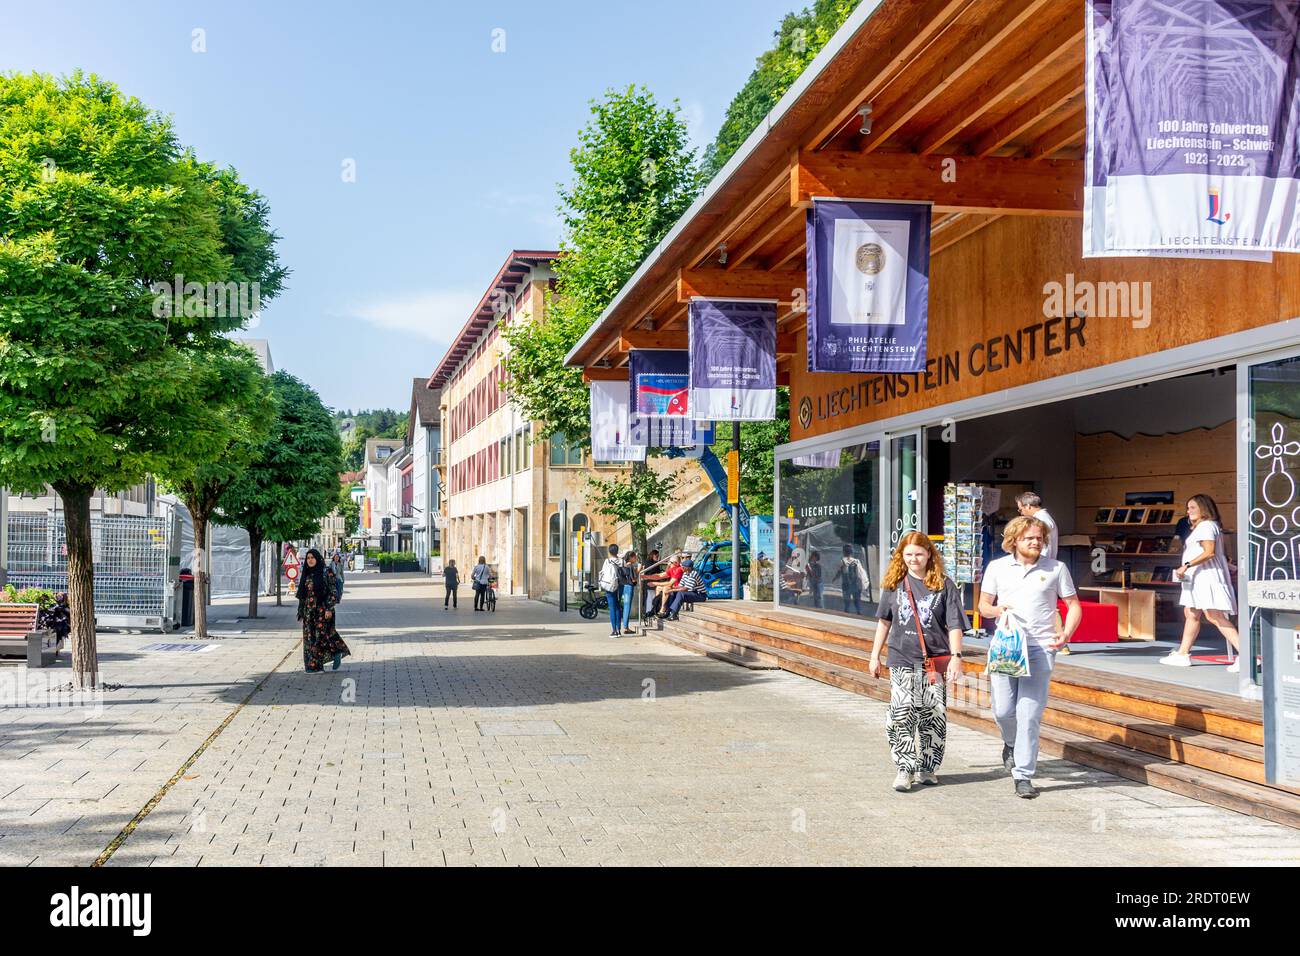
{"x": 1207, "y": 583}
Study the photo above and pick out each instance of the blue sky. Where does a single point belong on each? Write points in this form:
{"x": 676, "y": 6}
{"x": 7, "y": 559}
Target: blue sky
{"x": 458, "y": 149}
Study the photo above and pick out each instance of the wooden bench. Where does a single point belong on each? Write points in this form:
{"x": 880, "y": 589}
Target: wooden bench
{"x": 19, "y": 636}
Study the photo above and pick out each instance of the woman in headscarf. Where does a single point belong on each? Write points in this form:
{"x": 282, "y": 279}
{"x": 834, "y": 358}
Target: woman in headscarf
{"x": 317, "y": 596}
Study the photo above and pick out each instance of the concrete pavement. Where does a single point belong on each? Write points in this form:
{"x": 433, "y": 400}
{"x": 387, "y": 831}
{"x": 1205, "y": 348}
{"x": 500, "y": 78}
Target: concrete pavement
{"x": 527, "y": 737}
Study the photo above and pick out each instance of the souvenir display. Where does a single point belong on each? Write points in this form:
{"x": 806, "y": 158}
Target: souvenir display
{"x": 963, "y": 532}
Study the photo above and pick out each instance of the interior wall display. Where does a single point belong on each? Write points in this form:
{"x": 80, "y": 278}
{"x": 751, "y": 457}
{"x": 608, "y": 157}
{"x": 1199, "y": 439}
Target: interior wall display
{"x": 868, "y": 286}
{"x": 732, "y": 359}
{"x": 610, "y": 438}
{"x": 963, "y": 532}
{"x": 1192, "y": 122}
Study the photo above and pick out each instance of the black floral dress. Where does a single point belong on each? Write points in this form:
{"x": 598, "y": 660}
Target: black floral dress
{"x": 320, "y": 637}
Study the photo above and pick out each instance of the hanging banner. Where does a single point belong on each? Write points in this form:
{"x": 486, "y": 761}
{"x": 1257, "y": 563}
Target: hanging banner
{"x": 610, "y": 436}
{"x": 868, "y": 286}
{"x": 1192, "y": 129}
{"x": 733, "y": 359}
{"x": 669, "y": 432}
{"x": 660, "y": 380}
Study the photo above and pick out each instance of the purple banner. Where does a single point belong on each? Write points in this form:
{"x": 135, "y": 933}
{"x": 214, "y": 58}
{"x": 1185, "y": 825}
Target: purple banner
{"x": 1193, "y": 111}
{"x": 733, "y": 359}
{"x": 868, "y": 286}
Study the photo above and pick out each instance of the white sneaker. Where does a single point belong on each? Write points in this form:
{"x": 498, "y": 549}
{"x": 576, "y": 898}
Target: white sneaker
{"x": 928, "y": 777}
{"x": 903, "y": 782}
{"x": 1235, "y": 666}
{"x": 1174, "y": 659}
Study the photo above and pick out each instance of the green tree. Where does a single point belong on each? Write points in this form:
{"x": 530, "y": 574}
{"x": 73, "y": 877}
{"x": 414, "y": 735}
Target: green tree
{"x": 238, "y": 395}
{"x": 292, "y": 482}
{"x": 634, "y": 174}
{"x": 799, "y": 39}
{"x": 637, "y": 500}
{"x": 758, "y": 441}
{"x": 98, "y": 202}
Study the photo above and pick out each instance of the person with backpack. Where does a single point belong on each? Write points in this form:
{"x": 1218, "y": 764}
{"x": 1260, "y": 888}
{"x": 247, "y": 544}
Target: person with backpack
{"x": 629, "y": 575}
{"x": 920, "y": 613}
{"x": 610, "y": 581}
{"x": 855, "y": 579}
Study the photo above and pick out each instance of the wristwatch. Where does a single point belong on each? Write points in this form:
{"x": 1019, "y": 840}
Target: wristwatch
{"x": 957, "y": 654}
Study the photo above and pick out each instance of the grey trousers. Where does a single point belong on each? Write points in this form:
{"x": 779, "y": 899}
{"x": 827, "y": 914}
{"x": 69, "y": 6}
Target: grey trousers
{"x": 1018, "y": 705}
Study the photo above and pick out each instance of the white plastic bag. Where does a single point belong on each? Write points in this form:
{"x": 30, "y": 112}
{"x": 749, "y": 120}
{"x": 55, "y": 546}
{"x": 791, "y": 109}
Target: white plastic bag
{"x": 1008, "y": 651}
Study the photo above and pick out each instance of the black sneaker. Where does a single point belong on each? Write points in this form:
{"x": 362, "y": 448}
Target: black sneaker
{"x": 1025, "y": 789}
{"x": 1008, "y": 758}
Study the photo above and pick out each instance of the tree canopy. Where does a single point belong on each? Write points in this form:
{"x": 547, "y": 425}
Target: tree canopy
{"x": 634, "y": 174}
{"x": 799, "y": 39}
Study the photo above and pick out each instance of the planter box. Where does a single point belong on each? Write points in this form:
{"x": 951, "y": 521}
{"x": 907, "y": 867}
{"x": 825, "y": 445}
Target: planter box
{"x": 398, "y": 566}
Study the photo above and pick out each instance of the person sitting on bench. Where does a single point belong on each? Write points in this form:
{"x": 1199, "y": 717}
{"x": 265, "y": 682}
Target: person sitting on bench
{"x": 689, "y": 588}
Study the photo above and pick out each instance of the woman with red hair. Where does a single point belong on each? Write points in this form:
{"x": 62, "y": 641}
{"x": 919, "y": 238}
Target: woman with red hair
{"x": 920, "y": 612}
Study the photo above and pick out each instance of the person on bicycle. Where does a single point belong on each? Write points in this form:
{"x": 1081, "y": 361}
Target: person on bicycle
{"x": 481, "y": 576}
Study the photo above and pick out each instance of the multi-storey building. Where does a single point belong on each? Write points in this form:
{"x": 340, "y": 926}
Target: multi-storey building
{"x": 423, "y": 431}
{"x": 378, "y": 503}
{"x": 505, "y": 481}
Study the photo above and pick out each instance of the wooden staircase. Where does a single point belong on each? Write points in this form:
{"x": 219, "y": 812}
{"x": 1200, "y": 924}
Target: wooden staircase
{"x": 1201, "y": 744}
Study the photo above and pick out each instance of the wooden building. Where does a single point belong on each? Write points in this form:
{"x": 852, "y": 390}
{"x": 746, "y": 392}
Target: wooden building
{"x": 1099, "y": 383}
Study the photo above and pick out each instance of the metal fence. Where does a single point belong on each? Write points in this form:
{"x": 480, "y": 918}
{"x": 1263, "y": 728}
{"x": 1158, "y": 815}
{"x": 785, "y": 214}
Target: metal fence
{"x": 136, "y": 563}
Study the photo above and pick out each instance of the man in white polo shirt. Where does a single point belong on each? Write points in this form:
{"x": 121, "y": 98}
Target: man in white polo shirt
{"x": 1030, "y": 504}
{"x": 1030, "y": 584}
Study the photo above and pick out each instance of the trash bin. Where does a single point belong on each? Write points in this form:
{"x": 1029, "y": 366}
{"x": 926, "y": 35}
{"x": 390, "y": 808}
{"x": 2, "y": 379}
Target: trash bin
{"x": 187, "y": 597}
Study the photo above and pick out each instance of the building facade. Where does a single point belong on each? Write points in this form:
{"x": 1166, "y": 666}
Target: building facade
{"x": 378, "y": 504}
{"x": 423, "y": 437}
{"x": 505, "y": 480}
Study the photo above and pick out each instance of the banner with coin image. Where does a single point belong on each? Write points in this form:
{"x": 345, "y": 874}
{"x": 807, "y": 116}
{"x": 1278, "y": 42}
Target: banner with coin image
{"x": 868, "y": 286}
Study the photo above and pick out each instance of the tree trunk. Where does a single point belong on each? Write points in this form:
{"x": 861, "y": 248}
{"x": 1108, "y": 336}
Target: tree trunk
{"x": 81, "y": 583}
{"x": 639, "y": 544}
{"x": 255, "y": 550}
{"x": 200, "y": 572}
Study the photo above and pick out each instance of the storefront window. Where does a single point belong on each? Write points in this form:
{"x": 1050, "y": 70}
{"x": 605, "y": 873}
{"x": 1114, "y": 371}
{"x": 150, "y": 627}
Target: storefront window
{"x": 1274, "y": 455}
{"x": 829, "y": 517}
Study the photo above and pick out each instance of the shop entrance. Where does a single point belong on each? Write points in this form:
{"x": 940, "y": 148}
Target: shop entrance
{"x": 1114, "y": 469}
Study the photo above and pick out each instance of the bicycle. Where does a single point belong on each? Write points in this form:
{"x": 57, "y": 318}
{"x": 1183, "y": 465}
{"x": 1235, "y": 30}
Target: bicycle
{"x": 592, "y": 605}
{"x": 490, "y": 599}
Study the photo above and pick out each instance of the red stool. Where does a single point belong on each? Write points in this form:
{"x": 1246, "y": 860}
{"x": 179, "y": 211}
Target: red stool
{"x": 1100, "y": 623}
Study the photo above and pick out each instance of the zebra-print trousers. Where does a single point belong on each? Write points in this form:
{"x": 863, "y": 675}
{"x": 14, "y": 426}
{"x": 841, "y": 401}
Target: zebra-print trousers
{"x": 916, "y": 706}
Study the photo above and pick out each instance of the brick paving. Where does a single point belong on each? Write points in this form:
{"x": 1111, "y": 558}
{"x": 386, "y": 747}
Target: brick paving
{"x": 531, "y": 738}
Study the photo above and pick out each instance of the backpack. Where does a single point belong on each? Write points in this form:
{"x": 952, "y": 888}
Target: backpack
{"x": 609, "y": 575}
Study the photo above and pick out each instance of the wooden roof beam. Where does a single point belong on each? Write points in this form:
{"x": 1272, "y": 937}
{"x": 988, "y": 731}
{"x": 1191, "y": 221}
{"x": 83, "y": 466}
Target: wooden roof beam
{"x": 928, "y": 22}
{"x": 994, "y": 185}
{"x": 774, "y": 226}
{"x": 999, "y": 25}
{"x": 681, "y": 339}
{"x": 1045, "y": 51}
{"x": 1064, "y": 133}
{"x": 742, "y": 284}
{"x": 1045, "y": 103}
{"x": 960, "y": 228}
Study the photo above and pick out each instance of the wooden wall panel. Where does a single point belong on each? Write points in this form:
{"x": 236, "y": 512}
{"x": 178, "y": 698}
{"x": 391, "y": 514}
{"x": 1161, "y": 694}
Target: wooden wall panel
{"x": 991, "y": 285}
{"x": 1200, "y": 461}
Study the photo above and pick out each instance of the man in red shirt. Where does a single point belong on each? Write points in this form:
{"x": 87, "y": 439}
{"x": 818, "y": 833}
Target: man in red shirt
{"x": 672, "y": 577}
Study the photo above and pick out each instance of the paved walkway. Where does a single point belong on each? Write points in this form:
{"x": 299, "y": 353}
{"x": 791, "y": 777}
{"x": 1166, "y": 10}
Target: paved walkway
{"x": 529, "y": 738}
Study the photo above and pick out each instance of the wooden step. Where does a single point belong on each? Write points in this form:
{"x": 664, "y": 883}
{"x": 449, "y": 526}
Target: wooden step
{"x": 1221, "y": 771}
{"x": 1207, "y": 711}
{"x": 823, "y": 650}
{"x": 749, "y": 661}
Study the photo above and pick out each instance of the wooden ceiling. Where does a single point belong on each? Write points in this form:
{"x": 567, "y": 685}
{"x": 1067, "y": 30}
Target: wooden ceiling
{"x": 976, "y": 105}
